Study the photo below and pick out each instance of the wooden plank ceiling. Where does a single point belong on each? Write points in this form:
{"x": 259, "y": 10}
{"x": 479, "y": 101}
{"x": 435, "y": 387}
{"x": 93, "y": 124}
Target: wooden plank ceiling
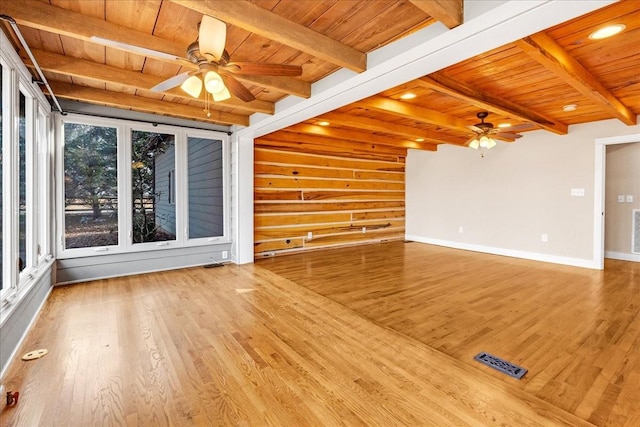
{"x": 321, "y": 36}
{"x": 525, "y": 83}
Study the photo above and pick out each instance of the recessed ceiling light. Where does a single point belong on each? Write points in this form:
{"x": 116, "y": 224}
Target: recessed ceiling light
{"x": 324, "y": 123}
{"x": 504, "y": 125}
{"x": 569, "y": 107}
{"x": 608, "y": 31}
{"x": 419, "y": 139}
{"x": 408, "y": 95}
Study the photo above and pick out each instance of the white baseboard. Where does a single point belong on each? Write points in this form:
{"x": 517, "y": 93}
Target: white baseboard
{"x": 622, "y": 256}
{"x": 575, "y": 262}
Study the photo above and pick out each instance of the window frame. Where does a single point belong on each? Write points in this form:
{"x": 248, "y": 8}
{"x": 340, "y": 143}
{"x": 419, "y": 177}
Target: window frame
{"x": 16, "y": 81}
{"x": 226, "y": 187}
{"x": 9, "y": 282}
{"x": 31, "y": 185}
{"x": 124, "y": 174}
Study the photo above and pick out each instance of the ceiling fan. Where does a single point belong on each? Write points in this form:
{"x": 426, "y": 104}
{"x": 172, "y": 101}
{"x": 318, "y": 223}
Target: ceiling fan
{"x": 484, "y": 130}
{"x": 215, "y": 67}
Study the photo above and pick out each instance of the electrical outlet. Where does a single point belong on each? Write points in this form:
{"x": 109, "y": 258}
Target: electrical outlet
{"x": 544, "y": 238}
{"x": 309, "y": 235}
{"x": 364, "y": 230}
{"x": 460, "y": 230}
{"x": 225, "y": 254}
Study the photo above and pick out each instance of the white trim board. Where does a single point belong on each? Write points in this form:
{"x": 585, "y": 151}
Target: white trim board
{"x": 622, "y": 256}
{"x": 598, "y": 192}
{"x": 533, "y": 256}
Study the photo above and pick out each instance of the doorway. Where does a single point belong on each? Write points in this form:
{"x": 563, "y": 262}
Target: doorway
{"x": 599, "y": 187}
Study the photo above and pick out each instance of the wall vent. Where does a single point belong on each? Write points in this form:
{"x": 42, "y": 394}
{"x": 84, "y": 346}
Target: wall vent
{"x": 635, "y": 239}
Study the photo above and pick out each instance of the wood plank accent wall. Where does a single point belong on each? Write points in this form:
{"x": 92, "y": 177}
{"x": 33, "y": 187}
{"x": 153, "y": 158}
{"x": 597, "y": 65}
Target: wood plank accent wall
{"x": 301, "y": 189}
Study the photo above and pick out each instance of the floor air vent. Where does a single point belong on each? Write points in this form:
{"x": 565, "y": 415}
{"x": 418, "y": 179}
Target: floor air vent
{"x": 501, "y": 365}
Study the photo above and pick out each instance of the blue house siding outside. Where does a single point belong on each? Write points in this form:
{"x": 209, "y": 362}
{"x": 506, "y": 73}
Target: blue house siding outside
{"x": 165, "y": 209}
{"x": 205, "y": 175}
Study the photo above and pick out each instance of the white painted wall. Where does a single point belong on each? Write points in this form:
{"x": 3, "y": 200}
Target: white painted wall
{"x": 505, "y": 201}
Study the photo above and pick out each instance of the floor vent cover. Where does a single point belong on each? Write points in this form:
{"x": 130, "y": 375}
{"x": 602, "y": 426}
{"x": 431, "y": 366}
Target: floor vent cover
{"x": 501, "y": 365}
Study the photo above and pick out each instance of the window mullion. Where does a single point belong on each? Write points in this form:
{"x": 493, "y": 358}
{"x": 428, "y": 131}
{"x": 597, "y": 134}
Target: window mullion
{"x": 59, "y": 190}
{"x": 181, "y": 191}
{"x": 124, "y": 187}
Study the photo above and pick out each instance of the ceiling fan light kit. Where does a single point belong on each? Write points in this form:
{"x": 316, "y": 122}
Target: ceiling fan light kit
{"x": 212, "y": 37}
{"x": 193, "y": 86}
{"x": 482, "y": 142}
{"x": 215, "y": 68}
{"x": 483, "y": 131}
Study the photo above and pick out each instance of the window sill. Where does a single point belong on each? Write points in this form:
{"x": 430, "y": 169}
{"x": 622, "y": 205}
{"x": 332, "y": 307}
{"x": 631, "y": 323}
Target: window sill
{"x": 11, "y": 301}
{"x": 140, "y": 247}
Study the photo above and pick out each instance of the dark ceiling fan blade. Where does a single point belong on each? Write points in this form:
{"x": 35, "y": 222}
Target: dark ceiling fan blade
{"x": 237, "y": 88}
{"x": 172, "y": 82}
{"x": 508, "y": 135}
{"x": 258, "y": 69}
{"x": 475, "y": 129}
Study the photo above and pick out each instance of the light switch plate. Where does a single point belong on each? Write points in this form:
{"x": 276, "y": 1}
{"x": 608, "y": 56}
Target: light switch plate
{"x": 577, "y": 192}
{"x": 620, "y": 198}
{"x": 629, "y": 198}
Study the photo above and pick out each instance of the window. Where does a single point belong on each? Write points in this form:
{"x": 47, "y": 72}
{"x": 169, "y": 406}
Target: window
{"x": 206, "y": 189}
{"x": 25, "y": 188}
{"x": 152, "y": 157}
{"x": 90, "y": 186}
{"x": 22, "y": 183}
{"x": 43, "y": 205}
{"x": 131, "y": 187}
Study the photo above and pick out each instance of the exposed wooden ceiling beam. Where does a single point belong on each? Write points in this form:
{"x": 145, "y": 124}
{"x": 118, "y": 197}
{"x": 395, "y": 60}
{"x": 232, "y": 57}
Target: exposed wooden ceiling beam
{"x": 542, "y": 48}
{"x": 57, "y": 20}
{"x": 485, "y": 101}
{"x": 449, "y": 12}
{"x": 366, "y": 123}
{"x": 53, "y": 19}
{"x": 132, "y": 102}
{"x": 261, "y": 21}
{"x": 409, "y": 111}
{"x": 354, "y": 135}
{"x": 75, "y": 67}
{"x": 287, "y": 85}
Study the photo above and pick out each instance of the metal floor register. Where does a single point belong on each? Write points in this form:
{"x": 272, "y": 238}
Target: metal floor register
{"x": 501, "y": 365}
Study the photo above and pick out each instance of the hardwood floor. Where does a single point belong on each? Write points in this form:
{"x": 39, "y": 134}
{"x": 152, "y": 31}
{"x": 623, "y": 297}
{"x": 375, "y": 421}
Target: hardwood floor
{"x": 576, "y": 330}
{"x": 247, "y": 345}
